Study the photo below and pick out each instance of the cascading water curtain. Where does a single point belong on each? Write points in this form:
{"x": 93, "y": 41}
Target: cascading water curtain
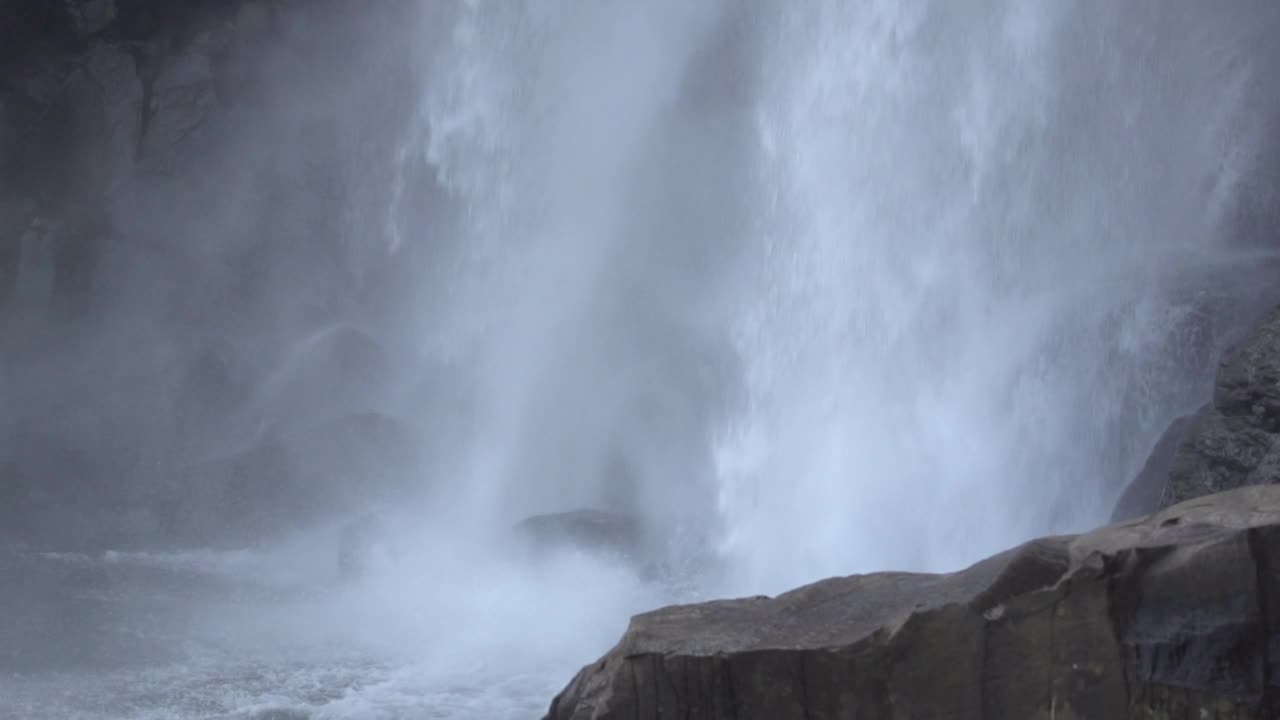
{"x": 962, "y": 288}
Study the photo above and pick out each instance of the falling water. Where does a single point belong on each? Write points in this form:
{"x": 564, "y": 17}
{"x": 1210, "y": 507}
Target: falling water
{"x": 810, "y": 288}
{"x": 964, "y": 329}
{"x": 853, "y": 285}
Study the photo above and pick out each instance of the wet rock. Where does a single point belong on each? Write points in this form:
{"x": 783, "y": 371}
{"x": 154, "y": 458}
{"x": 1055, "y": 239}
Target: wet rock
{"x": 664, "y": 552}
{"x": 1230, "y": 442}
{"x": 611, "y": 535}
{"x": 1248, "y": 383}
{"x": 1173, "y": 615}
{"x": 1143, "y": 493}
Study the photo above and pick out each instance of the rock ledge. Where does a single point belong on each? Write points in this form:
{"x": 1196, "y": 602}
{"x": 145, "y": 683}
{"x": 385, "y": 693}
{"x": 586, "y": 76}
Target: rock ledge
{"x": 1169, "y": 616}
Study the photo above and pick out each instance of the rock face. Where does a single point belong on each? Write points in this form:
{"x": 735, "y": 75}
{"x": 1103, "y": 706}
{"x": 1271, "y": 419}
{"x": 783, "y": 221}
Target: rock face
{"x": 1230, "y": 442}
{"x": 191, "y": 178}
{"x": 1172, "y": 616}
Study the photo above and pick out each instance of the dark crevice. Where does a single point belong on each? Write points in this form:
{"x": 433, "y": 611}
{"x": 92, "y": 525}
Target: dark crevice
{"x": 660, "y": 674}
{"x": 690, "y": 697}
{"x": 1053, "y": 650}
{"x": 806, "y": 710}
{"x": 730, "y": 690}
{"x": 1053, "y": 616}
{"x": 1113, "y": 612}
{"x": 144, "y": 66}
{"x": 655, "y": 667}
{"x": 1124, "y": 594}
{"x": 1258, "y": 554}
{"x": 635, "y": 687}
{"x": 982, "y": 665}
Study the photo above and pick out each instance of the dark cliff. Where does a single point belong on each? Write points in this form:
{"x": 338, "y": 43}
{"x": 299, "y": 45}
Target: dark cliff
{"x": 184, "y": 317}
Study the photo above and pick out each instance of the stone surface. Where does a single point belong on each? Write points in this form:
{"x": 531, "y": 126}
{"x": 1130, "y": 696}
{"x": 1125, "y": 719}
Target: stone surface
{"x": 1228, "y": 443}
{"x": 1248, "y": 384}
{"x": 1170, "y": 616}
{"x": 595, "y": 531}
{"x": 1143, "y": 493}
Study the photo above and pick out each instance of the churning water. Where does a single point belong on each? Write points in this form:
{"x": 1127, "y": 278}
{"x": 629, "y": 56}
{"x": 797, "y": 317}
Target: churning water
{"x": 812, "y": 287}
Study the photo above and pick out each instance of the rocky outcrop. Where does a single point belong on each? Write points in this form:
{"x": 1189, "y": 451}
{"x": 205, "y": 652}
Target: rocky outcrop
{"x": 1171, "y": 616}
{"x": 1230, "y": 442}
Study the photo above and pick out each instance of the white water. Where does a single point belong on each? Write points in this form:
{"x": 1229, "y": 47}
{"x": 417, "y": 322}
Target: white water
{"x": 846, "y": 286}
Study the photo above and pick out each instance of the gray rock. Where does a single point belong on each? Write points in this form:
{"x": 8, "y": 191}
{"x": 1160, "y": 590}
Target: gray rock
{"x": 1231, "y": 442}
{"x": 1143, "y": 494}
{"x": 667, "y": 553}
{"x": 608, "y": 534}
{"x": 1173, "y": 615}
{"x": 1248, "y": 383}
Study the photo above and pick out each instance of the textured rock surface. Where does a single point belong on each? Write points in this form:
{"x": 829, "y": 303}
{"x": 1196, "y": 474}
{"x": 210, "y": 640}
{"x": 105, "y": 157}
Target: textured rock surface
{"x": 1170, "y": 616}
{"x": 1143, "y": 494}
{"x": 1230, "y": 442}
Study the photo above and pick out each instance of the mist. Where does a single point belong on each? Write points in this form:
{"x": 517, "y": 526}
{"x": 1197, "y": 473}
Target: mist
{"x": 381, "y": 361}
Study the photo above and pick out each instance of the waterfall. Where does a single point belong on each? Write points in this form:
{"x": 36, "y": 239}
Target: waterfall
{"x": 795, "y": 289}
{"x": 852, "y": 286}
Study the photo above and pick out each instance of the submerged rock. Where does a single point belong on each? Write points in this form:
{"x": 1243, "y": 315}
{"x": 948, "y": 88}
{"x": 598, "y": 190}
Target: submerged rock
{"x": 612, "y": 535}
{"x": 668, "y": 554}
{"x": 1228, "y": 443}
{"x": 1170, "y": 616}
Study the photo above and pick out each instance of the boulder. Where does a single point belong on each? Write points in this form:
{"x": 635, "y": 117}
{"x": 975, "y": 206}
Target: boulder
{"x": 1228, "y": 443}
{"x": 662, "y": 551}
{"x": 1172, "y": 615}
{"x": 611, "y": 535}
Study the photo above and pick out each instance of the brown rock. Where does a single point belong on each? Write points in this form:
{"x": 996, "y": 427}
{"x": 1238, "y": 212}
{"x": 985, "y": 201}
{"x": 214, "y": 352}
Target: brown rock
{"x": 1170, "y": 616}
